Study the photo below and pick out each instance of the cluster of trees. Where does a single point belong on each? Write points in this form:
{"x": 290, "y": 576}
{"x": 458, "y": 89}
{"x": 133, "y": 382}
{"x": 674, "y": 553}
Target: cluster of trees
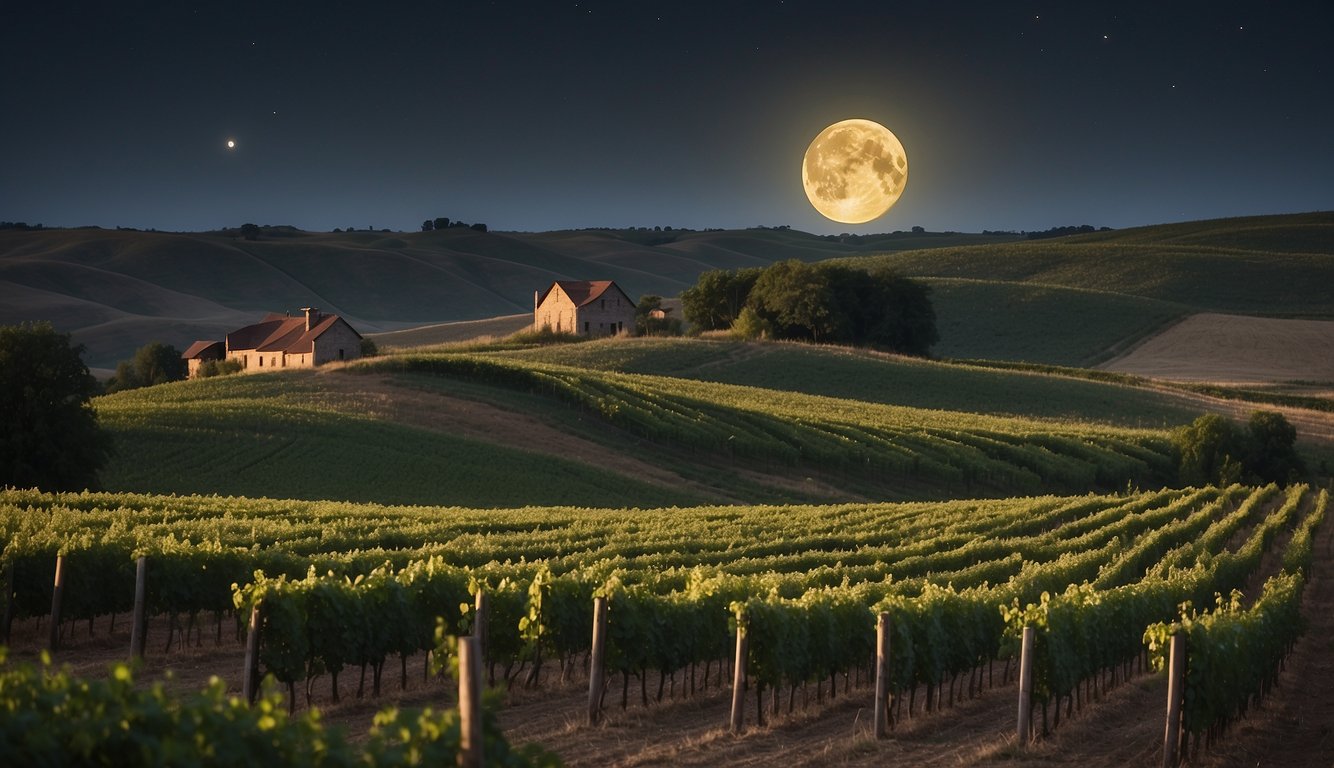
{"x": 49, "y": 435}
{"x": 153, "y": 363}
{"x": 1215, "y": 450}
{"x": 646, "y": 324}
{"x": 815, "y": 302}
{"x": 444, "y": 223}
{"x": 22, "y": 226}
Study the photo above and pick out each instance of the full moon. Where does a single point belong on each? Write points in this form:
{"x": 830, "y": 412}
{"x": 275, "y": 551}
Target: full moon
{"x": 854, "y": 171}
{"x": 231, "y": 143}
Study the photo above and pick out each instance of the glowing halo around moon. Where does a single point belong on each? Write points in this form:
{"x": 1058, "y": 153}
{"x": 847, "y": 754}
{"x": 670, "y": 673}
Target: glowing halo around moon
{"x": 854, "y": 171}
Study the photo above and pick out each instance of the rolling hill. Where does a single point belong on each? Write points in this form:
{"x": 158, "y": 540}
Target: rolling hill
{"x": 1082, "y": 300}
{"x": 637, "y": 423}
{"x": 1078, "y": 300}
{"x": 116, "y": 290}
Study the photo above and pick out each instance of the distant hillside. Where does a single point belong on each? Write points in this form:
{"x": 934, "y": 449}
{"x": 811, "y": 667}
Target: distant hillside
{"x": 1082, "y": 299}
{"x": 1078, "y": 300}
{"x": 116, "y": 290}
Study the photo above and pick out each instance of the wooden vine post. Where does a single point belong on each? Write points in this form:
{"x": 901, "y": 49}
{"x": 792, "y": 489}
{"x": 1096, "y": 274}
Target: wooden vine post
{"x": 480, "y": 609}
{"x": 1025, "y": 727}
{"x": 1176, "y": 691}
{"x": 882, "y": 676}
{"x": 250, "y": 676}
{"x": 471, "y": 752}
{"x": 57, "y": 592}
{"x": 597, "y": 660}
{"x": 9, "y": 603}
{"x": 739, "y": 677}
{"x": 139, "y": 625}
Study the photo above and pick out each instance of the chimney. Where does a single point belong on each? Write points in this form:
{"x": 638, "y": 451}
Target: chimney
{"x": 535, "y": 300}
{"x": 312, "y": 316}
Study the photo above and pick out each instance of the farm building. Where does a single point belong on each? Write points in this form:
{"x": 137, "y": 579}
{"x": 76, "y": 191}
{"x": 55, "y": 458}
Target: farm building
{"x": 202, "y": 352}
{"x": 584, "y": 308}
{"x": 282, "y": 341}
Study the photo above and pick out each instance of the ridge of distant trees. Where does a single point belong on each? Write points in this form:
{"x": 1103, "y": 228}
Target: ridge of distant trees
{"x": 49, "y": 435}
{"x": 825, "y": 302}
{"x": 444, "y": 223}
{"x": 1082, "y": 229}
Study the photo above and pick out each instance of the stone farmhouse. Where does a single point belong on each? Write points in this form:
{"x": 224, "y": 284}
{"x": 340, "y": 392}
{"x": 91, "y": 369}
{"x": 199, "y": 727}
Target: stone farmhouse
{"x": 584, "y": 308}
{"x": 281, "y": 341}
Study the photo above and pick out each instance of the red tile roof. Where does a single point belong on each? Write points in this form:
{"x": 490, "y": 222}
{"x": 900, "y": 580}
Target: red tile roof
{"x": 279, "y": 333}
{"x": 204, "y": 350}
{"x": 581, "y": 292}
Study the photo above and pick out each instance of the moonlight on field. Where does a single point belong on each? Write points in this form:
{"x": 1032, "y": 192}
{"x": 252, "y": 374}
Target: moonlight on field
{"x": 854, "y": 171}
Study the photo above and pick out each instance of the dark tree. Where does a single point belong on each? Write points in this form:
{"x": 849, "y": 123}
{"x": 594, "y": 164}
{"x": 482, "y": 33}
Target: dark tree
{"x": 1272, "y": 457}
{"x": 153, "y": 363}
{"x": 794, "y": 300}
{"x": 646, "y": 324}
{"x": 715, "y": 301}
{"x": 428, "y": 225}
{"x": 479, "y": 226}
{"x": 1211, "y": 449}
{"x": 49, "y": 436}
{"x": 643, "y": 312}
{"x": 893, "y": 312}
{"x": 441, "y": 223}
{"x": 250, "y": 231}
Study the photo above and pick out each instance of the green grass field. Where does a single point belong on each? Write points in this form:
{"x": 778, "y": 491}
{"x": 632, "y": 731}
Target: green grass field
{"x": 732, "y": 422}
{"x": 873, "y": 377}
{"x": 281, "y": 436}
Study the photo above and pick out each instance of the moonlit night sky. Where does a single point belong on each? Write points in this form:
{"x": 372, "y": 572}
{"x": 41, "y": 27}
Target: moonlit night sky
{"x": 538, "y": 116}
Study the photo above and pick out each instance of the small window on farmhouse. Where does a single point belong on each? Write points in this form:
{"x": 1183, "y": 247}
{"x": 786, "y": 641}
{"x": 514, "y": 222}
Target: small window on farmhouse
{"x": 340, "y": 353}
{"x": 585, "y": 326}
{"x": 604, "y": 303}
{"x": 261, "y": 362}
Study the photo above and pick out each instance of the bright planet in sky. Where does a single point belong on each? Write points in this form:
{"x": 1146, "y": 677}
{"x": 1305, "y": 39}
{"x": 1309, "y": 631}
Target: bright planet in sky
{"x": 854, "y": 171}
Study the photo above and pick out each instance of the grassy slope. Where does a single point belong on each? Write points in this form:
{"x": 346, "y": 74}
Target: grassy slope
{"x": 1079, "y": 300}
{"x": 874, "y": 377}
{"x": 293, "y": 435}
{"x": 282, "y": 436}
